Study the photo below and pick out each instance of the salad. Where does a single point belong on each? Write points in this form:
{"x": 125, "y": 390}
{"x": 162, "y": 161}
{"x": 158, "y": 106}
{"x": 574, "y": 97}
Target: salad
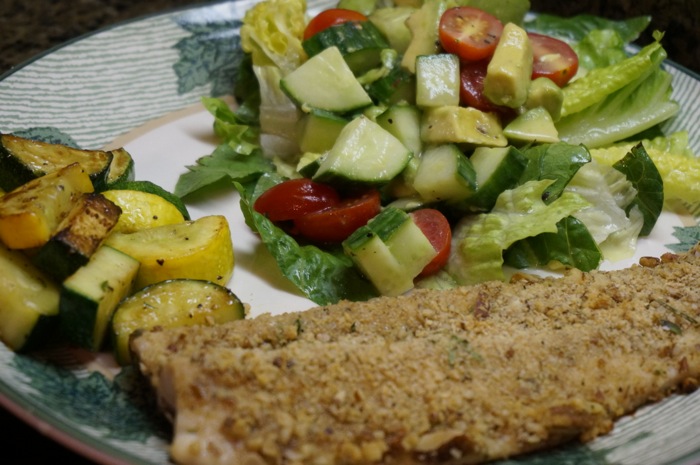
{"x": 382, "y": 146}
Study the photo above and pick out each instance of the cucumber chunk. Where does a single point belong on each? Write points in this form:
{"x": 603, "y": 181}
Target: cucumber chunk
{"x": 445, "y": 174}
{"x": 391, "y": 250}
{"x": 363, "y": 153}
{"x": 320, "y": 130}
{"x": 403, "y": 121}
{"x": 325, "y": 82}
{"x": 90, "y": 296}
{"x": 359, "y": 42}
{"x": 497, "y": 169}
{"x": 172, "y": 303}
{"x": 28, "y": 303}
{"x": 437, "y": 80}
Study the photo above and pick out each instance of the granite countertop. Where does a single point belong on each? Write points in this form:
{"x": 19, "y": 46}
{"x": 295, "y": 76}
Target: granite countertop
{"x": 33, "y": 27}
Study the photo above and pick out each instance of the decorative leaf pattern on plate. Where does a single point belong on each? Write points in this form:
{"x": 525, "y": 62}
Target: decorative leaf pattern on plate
{"x": 210, "y": 55}
{"x": 120, "y": 409}
{"x": 50, "y": 135}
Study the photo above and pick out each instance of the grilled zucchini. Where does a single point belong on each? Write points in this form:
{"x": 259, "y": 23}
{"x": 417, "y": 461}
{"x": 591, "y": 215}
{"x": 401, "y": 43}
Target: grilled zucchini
{"x": 78, "y": 236}
{"x": 90, "y": 295}
{"x": 30, "y": 214}
{"x": 22, "y": 160}
{"x": 172, "y": 303}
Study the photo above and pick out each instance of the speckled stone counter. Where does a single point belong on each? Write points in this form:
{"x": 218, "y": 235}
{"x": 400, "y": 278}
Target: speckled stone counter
{"x": 29, "y": 28}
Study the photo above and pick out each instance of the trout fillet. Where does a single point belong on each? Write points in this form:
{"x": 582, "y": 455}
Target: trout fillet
{"x": 464, "y": 376}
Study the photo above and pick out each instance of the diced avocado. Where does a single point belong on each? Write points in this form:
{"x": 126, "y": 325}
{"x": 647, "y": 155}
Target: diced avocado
{"x": 462, "y": 125}
{"x": 423, "y": 24}
{"x": 437, "y": 80}
{"x": 392, "y": 23}
{"x": 545, "y": 93}
{"x": 534, "y": 125}
{"x": 509, "y": 72}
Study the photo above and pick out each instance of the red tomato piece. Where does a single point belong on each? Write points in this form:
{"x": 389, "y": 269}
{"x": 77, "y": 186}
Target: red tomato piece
{"x": 331, "y": 17}
{"x": 294, "y": 198}
{"x": 552, "y": 58}
{"x": 437, "y": 229}
{"x": 469, "y": 33}
{"x": 335, "y": 224}
{"x": 471, "y": 92}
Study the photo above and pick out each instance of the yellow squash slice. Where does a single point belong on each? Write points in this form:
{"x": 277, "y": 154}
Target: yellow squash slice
{"x": 199, "y": 249}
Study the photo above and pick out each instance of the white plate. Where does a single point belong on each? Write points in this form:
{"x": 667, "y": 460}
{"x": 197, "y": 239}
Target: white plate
{"x": 138, "y": 85}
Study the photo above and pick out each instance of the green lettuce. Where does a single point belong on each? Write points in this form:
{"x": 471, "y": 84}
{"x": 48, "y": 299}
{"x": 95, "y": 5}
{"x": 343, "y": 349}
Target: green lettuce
{"x": 237, "y": 158}
{"x": 272, "y": 33}
{"x": 619, "y": 101}
{"x": 519, "y": 213}
{"x": 574, "y": 29}
{"x": 571, "y": 246}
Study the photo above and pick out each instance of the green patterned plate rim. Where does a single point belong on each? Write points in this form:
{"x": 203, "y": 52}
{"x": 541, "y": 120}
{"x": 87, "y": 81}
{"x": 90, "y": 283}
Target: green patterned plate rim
{"x": 103, "y": 87}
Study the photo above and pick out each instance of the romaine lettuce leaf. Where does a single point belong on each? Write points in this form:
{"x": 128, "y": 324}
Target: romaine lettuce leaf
{"x": 479, "y": 240}
{"x": 558, "y": 162}
{"x": 571, "y": 246}
{"x": 272, "y": 32}
{"x": 600, "y": 48}
{"x": 673, "y": 158}
{"x": 599, "y": 83}
{"x": 617, "y": 102}
{"x": 641, "y": 172}
{"x": 237, "y": 158}
{"x": 609, "y": 193}
{"x": 575, "y": 28}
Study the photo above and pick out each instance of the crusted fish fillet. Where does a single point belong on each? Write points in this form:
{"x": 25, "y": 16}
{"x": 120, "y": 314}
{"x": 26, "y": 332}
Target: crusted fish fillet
{"x": 460, "y": 376}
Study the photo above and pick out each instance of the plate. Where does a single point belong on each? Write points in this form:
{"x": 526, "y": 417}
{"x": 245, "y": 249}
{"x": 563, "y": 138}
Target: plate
{"x": 139, "y": 85}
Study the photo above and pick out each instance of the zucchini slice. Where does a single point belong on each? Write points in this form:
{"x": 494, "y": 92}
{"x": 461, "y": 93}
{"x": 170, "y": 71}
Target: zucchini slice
{"x": 172, "y": 303}
{"x": 121, "y": 169}
{"x": 22, "y": 160}
{"x": 28, "y": 302}
{"x": 78, "y": 237}
{"x": 30, "y": 214}
{"x": 90, "y": 296}
{"x": 199, "y": 249}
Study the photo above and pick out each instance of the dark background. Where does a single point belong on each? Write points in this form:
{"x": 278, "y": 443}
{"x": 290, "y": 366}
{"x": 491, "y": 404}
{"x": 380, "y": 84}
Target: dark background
{"x": 28, "y": 28}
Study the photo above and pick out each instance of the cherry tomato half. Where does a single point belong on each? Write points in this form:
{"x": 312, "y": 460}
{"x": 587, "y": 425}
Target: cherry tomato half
{"x": 437, "y": 229}
{"x": 331, "y": 17}
{"x": 469, "y": 33}
{"x": 295, "y": 198}
{"x": 471, "y": 91}
{"x": 335, "y": 224}
{"x": 552, "y": 58}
